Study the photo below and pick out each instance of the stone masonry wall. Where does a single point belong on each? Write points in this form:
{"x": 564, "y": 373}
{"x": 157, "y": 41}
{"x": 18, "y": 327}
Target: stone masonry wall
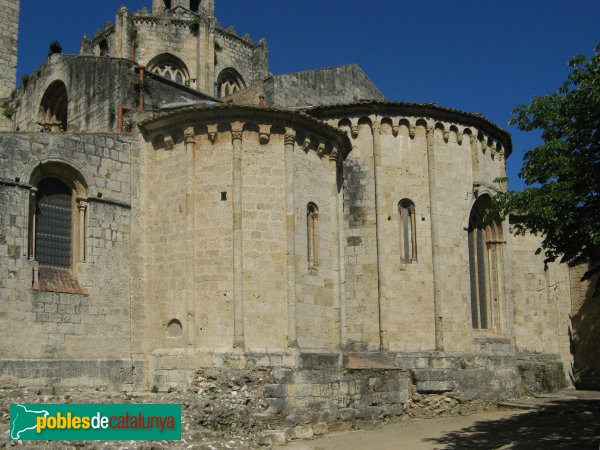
{"x": 408, "y": 323}
{"x": 247, "y": 58}
{"x": 264, "y": 242}
{"x": 317, "y": 290}
{"x": 320, "y": 390}
{"x": 151, "y": 39}
{"x": 225, "y": 286}
{"x": 335, "y": 85}
{"x": 419, "y": 161}
{"x": 9, "y": 25}
{"x": 9, "y": 28}
{"x": 92, "y": 325}
{"x": 96, "y": 87}
{"x": 188, "y": 243}
{"x": 452, "y": 198}
{"x": 360, "y": 254}
{"x": 542, "y": 301}
{"x": 585, "y": 329}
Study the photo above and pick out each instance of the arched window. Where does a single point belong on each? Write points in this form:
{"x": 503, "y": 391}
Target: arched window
{"x": 170, "y": 67}
{"x": 484, "y": 255}
{"x": 103, "y": 48}
{"x": 53, "y": 108}
{"x": 229, "y": 82}
{"x": 58, "y": 219}
{"x": 167, "y": 4}
{"x": 194, "y": 5}
{"x": 312, "y": 234}
{"x": 408, "y": 231}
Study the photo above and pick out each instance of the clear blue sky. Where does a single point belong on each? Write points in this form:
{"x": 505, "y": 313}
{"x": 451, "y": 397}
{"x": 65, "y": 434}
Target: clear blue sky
{"x": 477, "y": 56}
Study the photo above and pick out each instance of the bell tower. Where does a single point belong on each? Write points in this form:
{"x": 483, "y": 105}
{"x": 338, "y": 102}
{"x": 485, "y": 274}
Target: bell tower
{"x": 205, "y": 7}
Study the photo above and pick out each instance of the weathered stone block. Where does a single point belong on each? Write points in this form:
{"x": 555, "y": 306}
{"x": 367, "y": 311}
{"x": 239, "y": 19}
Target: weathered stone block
{"x": 435, "y": 386}
{"x": 272, "y": 437}
{"x": 303, "y": 432}
{"x": 275, "y": 390}
{"x": 8, "y": 382}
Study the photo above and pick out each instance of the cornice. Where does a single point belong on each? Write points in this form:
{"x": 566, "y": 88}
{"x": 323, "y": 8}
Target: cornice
{"x": 227, "y": 113}
{"x": 395, "y": 108}
{"x": 104, "y": 34}
{"x": 230, "y": 35}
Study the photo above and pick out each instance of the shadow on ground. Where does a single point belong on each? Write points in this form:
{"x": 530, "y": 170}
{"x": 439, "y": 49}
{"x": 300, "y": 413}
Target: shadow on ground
{"x": 561, "y": 424}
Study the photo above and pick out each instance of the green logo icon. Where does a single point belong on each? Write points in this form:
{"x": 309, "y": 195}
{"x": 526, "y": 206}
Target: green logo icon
{"x": 95, "y": 422}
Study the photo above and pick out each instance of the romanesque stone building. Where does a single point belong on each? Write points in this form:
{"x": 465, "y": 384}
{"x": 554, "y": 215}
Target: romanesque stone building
{"x": 167, "y": 205}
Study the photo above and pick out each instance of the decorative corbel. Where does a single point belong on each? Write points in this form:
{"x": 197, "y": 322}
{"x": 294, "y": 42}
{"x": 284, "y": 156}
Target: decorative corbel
{"x": 169, "y": 144}
{"x": 493, "y": 150}
{"x": 333, "y": 155}
{"x": 306, "y": 144}
{"x": 411, "y": 131}
{"x": 212, "y": 133}
{"x": 354, "y": 131}
{"x": 321, "y": 149}
{"x": 264, "y": 134}
{"x": 459, "y": 138}
{"x": 484, "y": 144}
{"x": 446, "y": 136}
{"x": 501, "y": 153}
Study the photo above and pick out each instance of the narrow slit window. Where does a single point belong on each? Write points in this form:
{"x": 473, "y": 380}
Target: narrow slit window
{"x": 312, "y": 230}
{"x": 408, "y": 231}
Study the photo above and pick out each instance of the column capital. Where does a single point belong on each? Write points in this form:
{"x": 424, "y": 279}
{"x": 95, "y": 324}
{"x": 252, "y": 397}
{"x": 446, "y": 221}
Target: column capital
{"x": 237, "y": 131}
{"x": 82, "y": 203}
{"x": 289, "y": 138}
{"x": 189, "y": 135}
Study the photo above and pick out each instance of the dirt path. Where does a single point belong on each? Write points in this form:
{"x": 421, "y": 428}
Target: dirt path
{"x": 567, "y": 422}
{"x": 418, "y": 434}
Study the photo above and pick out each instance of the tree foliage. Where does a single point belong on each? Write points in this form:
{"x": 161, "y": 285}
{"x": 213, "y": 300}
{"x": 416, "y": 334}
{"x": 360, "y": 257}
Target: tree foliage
{"x": 562, "y": 200}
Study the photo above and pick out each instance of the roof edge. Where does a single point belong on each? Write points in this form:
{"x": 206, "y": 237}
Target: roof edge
{"x": 422, "y": 109}
{"x": 231, "y": 112}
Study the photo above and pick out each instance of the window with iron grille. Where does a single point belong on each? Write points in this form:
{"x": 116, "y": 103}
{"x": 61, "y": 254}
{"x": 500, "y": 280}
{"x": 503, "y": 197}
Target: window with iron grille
{"x": 53, "y": 230}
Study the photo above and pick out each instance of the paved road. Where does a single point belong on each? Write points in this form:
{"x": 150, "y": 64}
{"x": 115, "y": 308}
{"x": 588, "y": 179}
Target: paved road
{"x": 567, "y": 421}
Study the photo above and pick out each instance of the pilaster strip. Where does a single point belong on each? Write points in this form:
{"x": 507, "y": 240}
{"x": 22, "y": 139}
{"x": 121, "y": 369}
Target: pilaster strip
{"x": 238, "y": 249}
{"x": 289, "y": 141}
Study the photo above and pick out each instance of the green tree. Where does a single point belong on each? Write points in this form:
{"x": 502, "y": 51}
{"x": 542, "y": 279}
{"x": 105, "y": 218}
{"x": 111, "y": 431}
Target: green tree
{"x": 562, "y": 200}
